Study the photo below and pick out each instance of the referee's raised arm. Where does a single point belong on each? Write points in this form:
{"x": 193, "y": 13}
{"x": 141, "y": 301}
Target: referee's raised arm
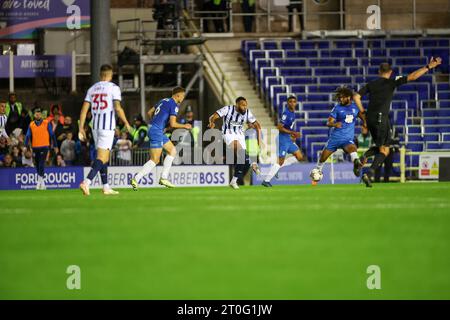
{"x": 434, "y": 62}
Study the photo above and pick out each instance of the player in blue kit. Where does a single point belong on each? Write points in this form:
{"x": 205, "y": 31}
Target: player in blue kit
{"x": 342, "y": 120}
{"x": 286, "y": 144}
{"x": 162, "y": 115}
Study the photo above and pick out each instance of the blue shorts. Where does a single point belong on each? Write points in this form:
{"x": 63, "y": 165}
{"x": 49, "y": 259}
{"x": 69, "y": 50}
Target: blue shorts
{"x": 335, "y": 143}
{"x": 157, "y": 138}
{"x": 286, "y": 147}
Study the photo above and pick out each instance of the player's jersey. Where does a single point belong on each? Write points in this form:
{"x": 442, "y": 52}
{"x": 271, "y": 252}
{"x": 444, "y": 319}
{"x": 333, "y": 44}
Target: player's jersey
{"x": 101, "y": 96}
{"x": 288, "y": 122}
{"x": 164, "y": 109}
{"x": 346, "y": 115}
{"x": 3, "y": 120}
{"x": 233, "y": 121}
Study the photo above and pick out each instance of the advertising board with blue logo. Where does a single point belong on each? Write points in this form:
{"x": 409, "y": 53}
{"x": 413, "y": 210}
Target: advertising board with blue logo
{"x": 118, "y": 177}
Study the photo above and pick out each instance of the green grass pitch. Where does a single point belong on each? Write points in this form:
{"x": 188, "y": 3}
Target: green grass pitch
{"x": 290, "y": 242}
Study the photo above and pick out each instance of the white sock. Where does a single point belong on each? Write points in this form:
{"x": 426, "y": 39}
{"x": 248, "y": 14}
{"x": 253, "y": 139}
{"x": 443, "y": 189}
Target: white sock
{"x": 289, "y": 161}
{"x": 320, "y": 165}
{"x": 146, "y": 169}
{"x": 273, "y": 171}
{"x": 354, "y": 156}
{"x": 234, "y": 180}
{"x": 106, "y": 187}
{"x": 88, "y": 181}
{"x": 166, "y": 167}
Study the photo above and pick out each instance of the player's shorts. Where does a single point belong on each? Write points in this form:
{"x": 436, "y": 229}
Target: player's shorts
{"x": 337, "y": 143}
{"x": 157, "y": 138}
{"x": 286, "y": 146}
{"x": 228, "y": 138}
{"x": 103, "y": 139}
{"x": 380, "y": 132}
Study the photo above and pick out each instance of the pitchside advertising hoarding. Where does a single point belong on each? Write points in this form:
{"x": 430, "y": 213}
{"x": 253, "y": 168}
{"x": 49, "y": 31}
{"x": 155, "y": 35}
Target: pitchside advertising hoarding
{"x": 340, "y": 173}
{"x": 118, "y": 177}
{"x": 429, "y": 165}
{"x": 20, "y": 19}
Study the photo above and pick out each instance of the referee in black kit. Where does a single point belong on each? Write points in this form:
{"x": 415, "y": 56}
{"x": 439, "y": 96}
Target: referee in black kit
{"x": 380, "y": 93}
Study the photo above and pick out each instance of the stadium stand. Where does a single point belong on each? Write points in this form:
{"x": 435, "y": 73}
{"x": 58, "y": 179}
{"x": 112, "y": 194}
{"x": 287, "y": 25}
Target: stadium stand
{"x": 313, "y": 69}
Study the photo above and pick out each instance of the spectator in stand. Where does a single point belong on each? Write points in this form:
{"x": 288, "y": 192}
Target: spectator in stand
{"x": 248, "y": 6}
{"x": 54, "y": 121}
{"x": 56, "y": 109}
{"x": 62, "y": 130}
{"x": 124, "y": 145}
{"x": 140, "y": 134}
{"x": 27, "y": 158}
{"x": 4, "y": 146}
{"x": 8, "y": 162}
{"x": 59, "y": 161}
{"x": 16, "y": 153}
{"x": 68, "y": 149}
{"x": 3, "y": 120}
{"x": 13, "y": 112}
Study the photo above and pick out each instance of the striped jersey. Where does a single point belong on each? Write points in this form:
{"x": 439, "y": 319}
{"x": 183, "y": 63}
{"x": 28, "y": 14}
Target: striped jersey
{"x": 233, "y": 121}
{"x": 101, "y": 96}
{"x": 3, "y": 120}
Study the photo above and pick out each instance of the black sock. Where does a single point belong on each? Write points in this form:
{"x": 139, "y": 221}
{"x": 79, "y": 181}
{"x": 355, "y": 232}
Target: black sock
{"x": 96, "y": 167}
{"x": 371, "y": 152}
{"x": 378, "y": 161}
{"x": 104, "y": 174}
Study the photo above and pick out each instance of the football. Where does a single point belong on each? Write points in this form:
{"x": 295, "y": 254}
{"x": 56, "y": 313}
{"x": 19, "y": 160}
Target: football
{"x": 316, "y": 175}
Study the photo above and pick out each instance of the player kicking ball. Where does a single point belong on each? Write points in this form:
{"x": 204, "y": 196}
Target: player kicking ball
{"x": 165, "y": 113}
{"x": 341, "y": 120}
{"x": 285, "y": 144}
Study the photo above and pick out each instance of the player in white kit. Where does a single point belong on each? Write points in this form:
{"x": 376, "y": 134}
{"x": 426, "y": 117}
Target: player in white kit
{"x": 234, "y": 117}
{"x": 104, "y": 98}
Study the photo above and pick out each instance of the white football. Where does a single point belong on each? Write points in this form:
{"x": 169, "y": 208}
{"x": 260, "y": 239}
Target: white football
{"x": 316, "y": 175}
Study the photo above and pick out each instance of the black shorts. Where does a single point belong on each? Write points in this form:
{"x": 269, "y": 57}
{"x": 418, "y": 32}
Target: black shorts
{"x": 380, "y": 132}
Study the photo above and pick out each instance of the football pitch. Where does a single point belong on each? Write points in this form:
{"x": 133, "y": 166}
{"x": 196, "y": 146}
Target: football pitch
{"x": 288, "y": 242}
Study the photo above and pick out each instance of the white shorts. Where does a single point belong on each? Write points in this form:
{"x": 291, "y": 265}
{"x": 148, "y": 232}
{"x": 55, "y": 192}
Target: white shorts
{"x": 229, "y": 138}
{"x": 103, "y": 139}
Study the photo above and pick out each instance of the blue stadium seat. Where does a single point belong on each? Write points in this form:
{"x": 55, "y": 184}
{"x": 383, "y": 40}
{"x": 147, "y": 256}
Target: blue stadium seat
{"x": 269, "y": 45}
{"x": 288, "y": 44}
{"x": 444, "y": 95}
{"x": 436, "y": 112}
{"x": 415, "y": 146}
{"x": 302, "y": 53}
{"x": 315, "y": 106}
{"x": 438, "y": 146}
{"x": 325, "y": 62}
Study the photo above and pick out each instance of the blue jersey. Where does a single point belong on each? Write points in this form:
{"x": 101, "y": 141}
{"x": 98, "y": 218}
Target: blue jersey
{"x": 347, "y": 116}
{"x": 288, "y": 122}
{"x": 163, "y": 111}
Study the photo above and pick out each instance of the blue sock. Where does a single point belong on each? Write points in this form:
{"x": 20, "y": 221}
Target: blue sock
{"x": 104, "y": 174}
{"x": 96, "y": 167}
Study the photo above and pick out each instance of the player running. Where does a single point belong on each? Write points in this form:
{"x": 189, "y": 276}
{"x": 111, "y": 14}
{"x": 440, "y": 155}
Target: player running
{"x": 380, "y": 92}
{"x": 234, "y": 117}
{"x": 104, "y": 99}
{"x": 285, "y": 144}
{"x": 342, "y": 120}
{"x": 164, "y": 114}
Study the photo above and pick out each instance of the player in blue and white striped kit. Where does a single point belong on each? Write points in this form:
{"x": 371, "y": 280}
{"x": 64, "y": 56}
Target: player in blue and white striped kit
{"x": 162, "y": 115}
{"x": 3, "y": 120}
{"x": 342, "y": 121}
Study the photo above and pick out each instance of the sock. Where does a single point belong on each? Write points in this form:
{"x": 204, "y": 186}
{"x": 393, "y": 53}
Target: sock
{"x": 371, "y": 152}
{"x": 104, "y": 176}
{"x": 234, "y": 180}
{"x": 273, "y": 171}
{"x": 354, "y": 156}
{"x": 146, "y": 169}
{"x": 379, "y": 158}
{"x": 289, "y": 161}
{"x": 96, "y": 167}
{"x": 320, "y": 165}
{"x": 166, "y": 167}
